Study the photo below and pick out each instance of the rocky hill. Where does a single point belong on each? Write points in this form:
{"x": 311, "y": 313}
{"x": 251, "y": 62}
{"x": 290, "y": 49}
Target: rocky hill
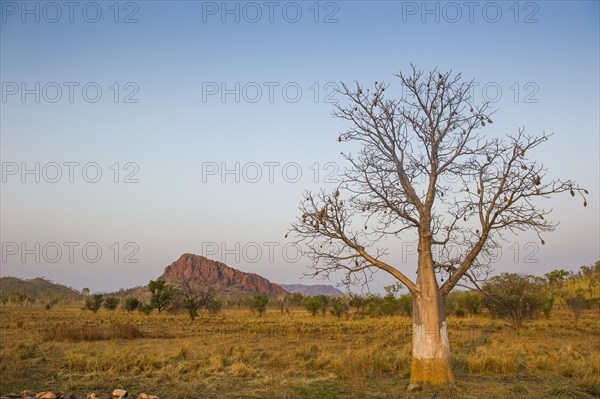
{"x": 312, "y": 290}
{"x": 196, "y": 268}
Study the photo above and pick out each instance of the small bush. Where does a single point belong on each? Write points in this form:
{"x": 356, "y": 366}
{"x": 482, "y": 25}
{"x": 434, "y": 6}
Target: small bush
{"x": 339, "y": 307}
{"x": 312, "y": 304}
{"x": 460, "y": 312}
{"x": 258, "y": 303}
{"x": 405, "y": 304}
{"x": 93, "y": 302}
{"x": 577, "y": 304}
{"x": 131, "y": 304}
{"x": 111, "y": 303}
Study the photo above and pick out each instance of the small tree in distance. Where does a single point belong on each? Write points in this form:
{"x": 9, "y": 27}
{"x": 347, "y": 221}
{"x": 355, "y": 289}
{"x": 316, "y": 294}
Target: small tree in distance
{"x": 111, "y": 303}
{"x": 556, "y": 277}
{"x": 422, "y": 167}
{"x": 131, "y": 304}
{"x": 295, "y": 299}
{"x": 577, "y": 304}
{"x": 514, "y": 298}
{"x": 258, "y": 303}
{"x": 161, "y": 294}
{"x": 94, "y": 302}
{"x": 193, "y": 297}
{"x": 339, "y": 307}
{"x": 312, "y": 304}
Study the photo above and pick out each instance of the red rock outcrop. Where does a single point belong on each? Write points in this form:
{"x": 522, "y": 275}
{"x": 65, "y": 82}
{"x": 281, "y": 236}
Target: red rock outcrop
{"x": 201, "y": 269}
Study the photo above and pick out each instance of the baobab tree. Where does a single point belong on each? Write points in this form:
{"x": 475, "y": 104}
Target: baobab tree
{"x": 424, "y": 170}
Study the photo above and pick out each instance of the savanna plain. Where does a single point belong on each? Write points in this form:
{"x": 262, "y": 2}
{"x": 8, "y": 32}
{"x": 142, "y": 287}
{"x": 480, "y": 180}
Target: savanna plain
{"x": 240, "y": 354}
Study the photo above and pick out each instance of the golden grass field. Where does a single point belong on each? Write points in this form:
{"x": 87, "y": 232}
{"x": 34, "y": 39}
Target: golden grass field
{"x": 237, "y": 354}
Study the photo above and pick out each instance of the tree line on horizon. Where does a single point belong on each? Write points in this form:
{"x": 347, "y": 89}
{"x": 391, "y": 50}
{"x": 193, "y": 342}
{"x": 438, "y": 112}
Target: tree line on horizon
{"x": 513, "y": 297}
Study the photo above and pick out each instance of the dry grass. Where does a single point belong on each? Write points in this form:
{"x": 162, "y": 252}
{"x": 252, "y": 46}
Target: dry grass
{"x": 85, "y": 332}
{"x": 237, "y": 354}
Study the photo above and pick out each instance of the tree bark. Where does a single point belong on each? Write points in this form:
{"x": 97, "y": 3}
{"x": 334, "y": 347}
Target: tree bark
{"x": 431, "y": 362}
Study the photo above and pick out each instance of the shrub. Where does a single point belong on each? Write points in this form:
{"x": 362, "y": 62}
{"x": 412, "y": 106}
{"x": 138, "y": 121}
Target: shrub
{"x": 389, "y": 305}
{"x": 94, "y": 302}
{"x": 405, "y": 304}
{"x": 462, "y": 303}
{"x": 460, "y": 312}
{"x": 577, "y": 304}
{"x": 314, "y": 303}
{"x": 547, "y": 305}
{"x": 296, "y": 299}
{"x": 258, "y": 303}
{"x": 131, "y": 304}
{"x": 339, "y": 307}
{"x": 513, "y": 297}
{"x": 111, "y": 303}
{"x": 471, "y": 302}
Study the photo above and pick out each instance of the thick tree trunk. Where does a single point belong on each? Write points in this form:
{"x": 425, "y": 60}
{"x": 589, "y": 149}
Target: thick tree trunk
{"x": 431, "y": 363}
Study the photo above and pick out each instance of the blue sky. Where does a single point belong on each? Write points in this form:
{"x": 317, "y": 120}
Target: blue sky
{"x": 166, "y": 127}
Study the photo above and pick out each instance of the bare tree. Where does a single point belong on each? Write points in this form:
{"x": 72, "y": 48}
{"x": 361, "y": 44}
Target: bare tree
{"x": 423, "y": 170}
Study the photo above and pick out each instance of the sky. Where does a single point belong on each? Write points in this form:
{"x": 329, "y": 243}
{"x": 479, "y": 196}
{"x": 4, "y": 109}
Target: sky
{"x": 135, "y": 131}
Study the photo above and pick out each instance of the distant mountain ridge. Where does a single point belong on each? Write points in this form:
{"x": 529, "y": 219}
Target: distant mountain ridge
{"x": 196, "y": 268}
{"x": 37, "y": 288}
{"x": 312, "y": 290}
